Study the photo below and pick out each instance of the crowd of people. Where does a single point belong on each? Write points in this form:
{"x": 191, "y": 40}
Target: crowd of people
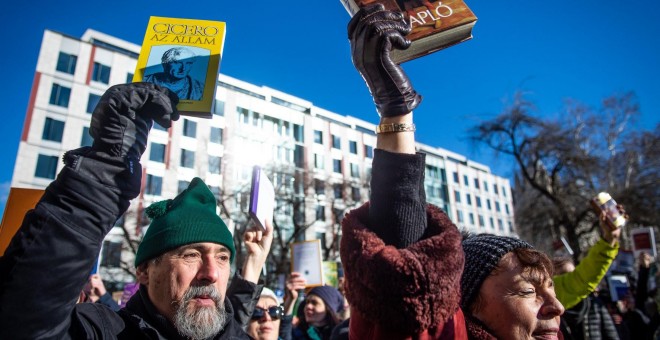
{"x": 409, "y": 272}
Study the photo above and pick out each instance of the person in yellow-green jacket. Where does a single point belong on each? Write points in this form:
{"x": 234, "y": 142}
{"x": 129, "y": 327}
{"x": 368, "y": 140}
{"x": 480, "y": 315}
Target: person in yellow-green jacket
{"x": 575, "y": 285}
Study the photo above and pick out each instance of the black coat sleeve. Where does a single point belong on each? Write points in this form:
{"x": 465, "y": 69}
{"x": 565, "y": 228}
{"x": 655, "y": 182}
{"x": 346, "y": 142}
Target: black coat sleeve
{"x": 397, "y": 209}
{"x": 50, "y": 258}
{"x": 244, "y": 296}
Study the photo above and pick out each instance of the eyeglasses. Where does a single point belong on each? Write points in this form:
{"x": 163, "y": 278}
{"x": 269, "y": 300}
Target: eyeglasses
{"x": 275, "y": 312}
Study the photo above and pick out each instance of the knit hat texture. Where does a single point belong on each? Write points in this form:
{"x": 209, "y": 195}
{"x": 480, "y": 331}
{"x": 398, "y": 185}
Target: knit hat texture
{"x": 188, "y": 218}
{"x": 330, "y": 296}
{"x": 482, "y": 254}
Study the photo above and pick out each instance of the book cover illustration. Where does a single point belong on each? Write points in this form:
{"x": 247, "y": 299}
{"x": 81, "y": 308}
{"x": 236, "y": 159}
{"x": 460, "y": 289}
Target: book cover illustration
{"x": 183, "y": 55}
{"x": 262, "y": 198}
{"x": 435, "y": 24}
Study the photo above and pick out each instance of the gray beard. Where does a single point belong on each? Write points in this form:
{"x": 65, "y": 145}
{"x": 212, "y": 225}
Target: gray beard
{"x": 200, "y": 323}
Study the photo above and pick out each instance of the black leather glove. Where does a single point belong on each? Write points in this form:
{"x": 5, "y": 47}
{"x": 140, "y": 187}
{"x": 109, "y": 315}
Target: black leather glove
{"x": 373, "y": 33}
{"x": 123, "y": 117}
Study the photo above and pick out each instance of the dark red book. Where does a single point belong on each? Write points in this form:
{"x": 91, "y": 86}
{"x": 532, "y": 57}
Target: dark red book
{"x": 435, "y": 24}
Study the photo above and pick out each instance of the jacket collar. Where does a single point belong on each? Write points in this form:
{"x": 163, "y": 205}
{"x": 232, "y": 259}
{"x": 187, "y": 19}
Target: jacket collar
{"x": 144, "y": 315}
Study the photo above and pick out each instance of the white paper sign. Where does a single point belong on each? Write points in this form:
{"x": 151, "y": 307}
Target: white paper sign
{"x": 306, "y": 260}
{"x": 643, "y": 240}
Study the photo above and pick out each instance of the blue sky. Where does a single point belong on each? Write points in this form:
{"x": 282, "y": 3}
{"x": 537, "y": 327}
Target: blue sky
{"x": 584, "y": 50}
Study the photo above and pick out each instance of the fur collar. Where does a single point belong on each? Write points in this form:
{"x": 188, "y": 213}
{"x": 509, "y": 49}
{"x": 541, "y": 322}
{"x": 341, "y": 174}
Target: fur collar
{"x": 411, "y": 289}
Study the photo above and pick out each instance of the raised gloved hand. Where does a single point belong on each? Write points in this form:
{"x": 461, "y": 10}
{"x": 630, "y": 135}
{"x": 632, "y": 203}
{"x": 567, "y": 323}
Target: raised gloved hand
{"x": 123, "y": 117}
{"x": 373, "y": 33}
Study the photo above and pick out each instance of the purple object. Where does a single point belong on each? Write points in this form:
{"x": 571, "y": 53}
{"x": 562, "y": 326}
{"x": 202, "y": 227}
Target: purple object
{"x": 129, "y": 290}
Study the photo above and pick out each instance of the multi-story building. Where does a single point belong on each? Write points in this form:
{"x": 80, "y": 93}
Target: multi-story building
{"x": 319, "y": 161}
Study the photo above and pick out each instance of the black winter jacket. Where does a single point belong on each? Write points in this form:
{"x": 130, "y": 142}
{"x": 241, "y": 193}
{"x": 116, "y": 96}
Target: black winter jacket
{"x": 589, "y": 319}
{"x": 49, "y": 260}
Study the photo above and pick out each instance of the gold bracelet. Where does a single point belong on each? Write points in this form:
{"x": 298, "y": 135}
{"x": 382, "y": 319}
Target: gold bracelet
{"x": 395, "y": 127}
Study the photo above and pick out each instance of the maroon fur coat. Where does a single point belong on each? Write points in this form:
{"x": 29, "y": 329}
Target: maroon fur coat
{"x": 410, "y": 293}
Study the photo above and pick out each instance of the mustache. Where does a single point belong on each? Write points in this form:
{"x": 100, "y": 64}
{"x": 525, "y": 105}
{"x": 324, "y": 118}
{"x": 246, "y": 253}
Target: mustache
{"x": 208, "y": 291}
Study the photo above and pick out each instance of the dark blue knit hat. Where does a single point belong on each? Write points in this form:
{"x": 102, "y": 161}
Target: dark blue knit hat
{"x": 482, "y": 254}
{"x": 330, "y": 296}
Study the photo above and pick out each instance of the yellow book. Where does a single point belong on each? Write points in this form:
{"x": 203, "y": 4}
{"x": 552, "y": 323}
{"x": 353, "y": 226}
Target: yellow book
{"x": 183, "y": 55}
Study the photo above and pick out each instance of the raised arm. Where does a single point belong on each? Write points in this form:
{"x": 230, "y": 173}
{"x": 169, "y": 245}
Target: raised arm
{"x": 50, "y": 258}
{"x": 402, "y": 259}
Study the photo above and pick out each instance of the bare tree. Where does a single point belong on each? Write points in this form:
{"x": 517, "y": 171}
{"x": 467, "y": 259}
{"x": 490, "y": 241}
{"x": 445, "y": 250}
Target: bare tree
{"x": 561, "y": 163}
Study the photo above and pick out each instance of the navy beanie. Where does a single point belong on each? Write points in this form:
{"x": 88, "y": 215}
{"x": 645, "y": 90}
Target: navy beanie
{"x": 482, "y": 254}
{"x": 330, "y": 296}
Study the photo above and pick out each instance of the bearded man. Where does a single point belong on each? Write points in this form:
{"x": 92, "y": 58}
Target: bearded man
{"x": 183, "y": 263}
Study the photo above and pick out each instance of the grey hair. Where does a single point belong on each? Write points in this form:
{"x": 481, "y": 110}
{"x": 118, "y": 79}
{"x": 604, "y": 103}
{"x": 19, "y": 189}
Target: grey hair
{"x": 173, "y": 54}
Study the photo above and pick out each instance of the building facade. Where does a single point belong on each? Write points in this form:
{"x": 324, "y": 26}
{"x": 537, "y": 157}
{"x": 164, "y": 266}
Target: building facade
{"x": 319, "y": 161}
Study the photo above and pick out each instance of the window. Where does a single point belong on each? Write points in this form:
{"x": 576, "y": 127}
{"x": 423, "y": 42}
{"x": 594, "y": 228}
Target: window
{"x": 86, "y": 139}
{"x": 320, "y": 213}
{"x": 468, "y": 199}
{"x": 465, "y": 180}
{"x": 503, "y": 191}
{"x": 318, "y": 137}
{"x": 497, "y": 206}
{"x": 157, "y": 153}
{"x": 500, "y": 226}
{"x": 492, "y": 223}
{"x": 154, "y": 185}
{"x": 355, "y": 194}
{"x": 216, "y": 135}
{"x": 318, "y": 161}
{"x": 319, "y": 187}
{"x": 455, "y": 177}
{"x": 299, "y": 156}
{"x": 336, "y": 142}
{"x": 352, "y": 147}
{"x": 53, "y": 130}
{"x": 478, "y": 202}
{"x": 92, "y": 101}
{"x": 476, "y": 183}
{"x": 129, "y": 78}
{"x": 183, "y": 185}
{"x": 369, "y": 151}
{"x": 111, "y": 254}
{"x": 506, "y": 208}
{"x": 510, "y": 226}
{"x": 336, "y": 165}
{"x": 471, "y": 218}
{"x": 481, "y": 221}
{"x": 495, "y": 188}
{"x": 216, "y": 191}
{"x": 298, "y": 133}
{"x": 459, "y": 216}
{"x": 355, "y": 170}
{"x": 66, "y": 63}
{"x": 457, "y": 196}
{"x": 187, "y": 158}
{"x": 101, "y": 73}
{"x": 215, "y": 164}
{"x": 46, "y": 166}
{"x": 189, "y": 128}
{"x": 337, "y": 190}
{"x": 59, "y": 95}
{"x": 486, "y": 186}
{"x": 219, "y": 108}
{"x": 488, "y": 203}
{"x": 243, "y": 115}
{"x": 158, "y": 127}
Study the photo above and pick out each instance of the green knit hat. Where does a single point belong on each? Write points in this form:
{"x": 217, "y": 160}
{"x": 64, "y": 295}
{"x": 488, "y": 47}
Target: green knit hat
{"x": 188, "y": 218}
